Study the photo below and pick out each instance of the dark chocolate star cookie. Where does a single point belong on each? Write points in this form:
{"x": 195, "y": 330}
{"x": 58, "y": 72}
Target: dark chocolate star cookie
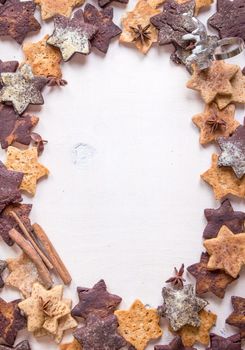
{"x": 229, "y": 18}
{"x": 17, "y": 19}
{"x": 103, "y": 21}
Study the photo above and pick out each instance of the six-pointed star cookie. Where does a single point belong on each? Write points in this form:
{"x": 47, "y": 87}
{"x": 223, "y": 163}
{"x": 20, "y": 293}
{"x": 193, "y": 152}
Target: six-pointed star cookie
{"x": 44, "y": 59}
{"x": 181, "y": 307}
{"x": 237, "y": 317}
{"x": 213, "y": 80}
{"x": 24, "y": 345}
{"x": 7, "y": 222}
{"x": 174, "y": 21}
{"x": 224, "y": 215}
{"x": 15, "y": 128}
{"x": 51, "y": 8}
{"x": 229, "y": 18}
{"x": 3, "y": 265}
{"x": 106, "y": 28}
{"x": 96, "y": 300}
{"x": 26, "y": 161}
{"x": 12, "y": 321}
{"x": 17, "y": 19}
{"x": 137, "y": 28}
{"x": 214, "y": 123}
{"x": 100, "y": 333}
{"x": 23, "y": 274}
{"x": 72, "y": 35}
{"x": 175, "y": 344}
{"x": 10, "y": 182}
{"x": 22, "y": 88}
{"x": 237, "y": 94}
{"x": 233, "y": 151}
{"x": 215, "y": 282}
{"x": 44, "y": 308}
{"x": 191, "y": 335}
{"x": 139, "y": 324}
{"x": 221, "y": 343}
{"x": 223, "y": 180}
{"x": 227, "y": 251}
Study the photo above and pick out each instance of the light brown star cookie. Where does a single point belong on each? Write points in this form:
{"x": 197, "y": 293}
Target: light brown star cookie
{"x": 26, "y": 161}
{"x": 23, "y": 274}
{"x": 213, "y": 80}
{"x": 237, "y": 94}
{"x": 227, "y": 251}
{"x": 191, "y": 335}
{"x": 74, "y": 345}
{"x": 44, "y": 59}
{"x": 137, "y": 29}
{"x": 214, "y": 123}
{"x": 51, "y": 8}
{"x": 139, "y": 324}
{"x": 44, "y": 308}
{"x": 223, "y": 180}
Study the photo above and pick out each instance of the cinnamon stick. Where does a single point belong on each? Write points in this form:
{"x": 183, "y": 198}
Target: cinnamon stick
{"x": 29, "y": 238}
{"x": 52, "y": 254}
{"x": 33, "y": 255}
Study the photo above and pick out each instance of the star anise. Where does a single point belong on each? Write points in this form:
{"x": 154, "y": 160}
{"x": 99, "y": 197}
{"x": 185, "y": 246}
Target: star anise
{"x": 141, "y": 33}
{"x": 52, "y": 81}
{"x": 177, "y": 280}
{"x": 215, "y": 123}
{"x": 38, "y": 142}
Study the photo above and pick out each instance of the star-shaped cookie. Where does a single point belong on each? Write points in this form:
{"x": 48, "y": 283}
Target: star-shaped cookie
{"x": 181, "y": 307}
{"x": 220, "y": 343}
{"x": 24, "y": 345}
{"x": 224, "y": 215}
{"x": 22, "y": 88}
{"x": 44, "y": 308}
{"x": 215, "y": 282}
{"x": 106, "y": 28}
{"x": 12, "y": 321}
{"x": 96, "y": 300}
{"x": 3, "y": 265}
{"x": 15, "y": 128}
{"x": 139, "y": 324}
{"x": 175, "y": 344}
{"x": 44, "y": 59}
{"x": 17, "y": 19}
{"x": 100, "y": 333}
{"x": 191, "y": 335}
{"x": 26, "y": 161}
{"x": 227, "y": 251}
{"x": 238, "y": 92}
{"x": 10, "y": 182}
{"x": 137, "y": 28}
{"x": 7, "y": 222}
{"x": 223, "y": 180}
{"x": 23, "y": 274}
{"x": 72, "y": 36}
{"x": 237, "y": 317}
{"x": 214, "y": 123}
{"x": 214, "y": 80}
{"x": 233, "y": 151}
{"x": 50, "y": 8}
{"x": 229, "y": 18}
{"x": 174, "y": 21}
